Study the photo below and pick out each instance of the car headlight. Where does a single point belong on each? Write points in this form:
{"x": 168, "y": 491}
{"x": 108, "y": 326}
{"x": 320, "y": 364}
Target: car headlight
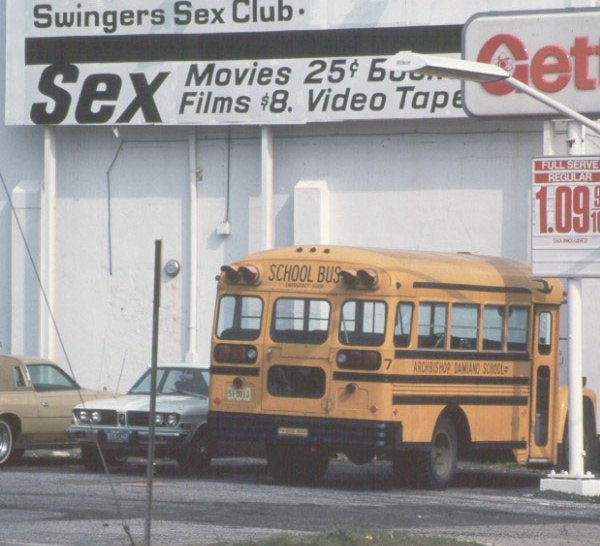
{"x": 172, "y": 419}
{"x": 159, "y": 419}
{"x": 84, "y": 416}
{"x": 96, "y": 417}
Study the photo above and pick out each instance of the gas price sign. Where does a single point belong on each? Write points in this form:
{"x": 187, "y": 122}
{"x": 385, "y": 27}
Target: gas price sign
{"x": 566, "y": 214}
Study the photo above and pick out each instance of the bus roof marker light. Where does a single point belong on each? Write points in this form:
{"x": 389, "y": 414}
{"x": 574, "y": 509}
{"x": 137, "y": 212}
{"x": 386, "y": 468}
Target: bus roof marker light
{"x": 231, "y": 272}
{"x": 368, "y": 277}
{"x": 250, "y": 274}
{"x": 362, "y": 278}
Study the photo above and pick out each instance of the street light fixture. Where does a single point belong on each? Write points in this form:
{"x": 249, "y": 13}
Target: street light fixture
{"x": 433, "y": 65}
{"x": 445, "y": 67}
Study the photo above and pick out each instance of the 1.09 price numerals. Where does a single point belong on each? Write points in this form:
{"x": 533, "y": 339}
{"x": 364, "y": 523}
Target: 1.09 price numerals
{"x": 573, "y": 212}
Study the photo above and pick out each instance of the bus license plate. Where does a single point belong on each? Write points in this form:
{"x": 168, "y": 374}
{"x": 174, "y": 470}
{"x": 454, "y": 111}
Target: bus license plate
{"x": 117, "y": 436}
{"x": 239, "y": 395}
{"x": 293, "y": 431}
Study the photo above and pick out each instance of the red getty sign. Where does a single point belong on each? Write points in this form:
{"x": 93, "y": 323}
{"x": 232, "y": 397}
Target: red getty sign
{"x": 550, "y": 68}
{"x": 555, "y": 51}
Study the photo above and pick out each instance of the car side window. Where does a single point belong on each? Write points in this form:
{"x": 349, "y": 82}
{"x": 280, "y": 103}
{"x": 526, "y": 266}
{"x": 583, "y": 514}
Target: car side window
{"x": 46, "y": 377}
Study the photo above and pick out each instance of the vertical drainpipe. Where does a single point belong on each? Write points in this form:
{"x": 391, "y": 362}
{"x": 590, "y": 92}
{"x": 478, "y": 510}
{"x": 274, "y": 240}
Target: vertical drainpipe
{"x": 267, "y": 185}
{"x": 48, "y": 245}
{"x": 192, "y": 353}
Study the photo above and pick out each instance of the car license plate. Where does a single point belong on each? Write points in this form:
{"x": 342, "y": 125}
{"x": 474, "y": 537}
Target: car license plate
{"x": 117, "y": 436}
{"x": 293, "y": 431}
{"x": 239, "y": 395}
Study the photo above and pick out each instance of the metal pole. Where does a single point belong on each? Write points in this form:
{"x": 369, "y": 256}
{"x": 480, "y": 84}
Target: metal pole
{"x": 575, "y": 138}
{"x": 152, "y": 414}
{"x": 558, "y": 106}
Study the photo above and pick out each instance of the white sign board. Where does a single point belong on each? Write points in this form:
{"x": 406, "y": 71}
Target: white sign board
{"x": 219, "y": 62}
{"x": 566, "y": 216}
{"x": 555, "y": 52}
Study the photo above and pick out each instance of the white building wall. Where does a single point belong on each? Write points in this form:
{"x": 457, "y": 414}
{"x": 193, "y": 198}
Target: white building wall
{"x": 454, "y": 185}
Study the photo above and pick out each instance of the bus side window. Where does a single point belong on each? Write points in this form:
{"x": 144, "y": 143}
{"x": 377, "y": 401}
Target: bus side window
{"x": 363, "y": 323}
{"x": 465, "y": 326}
{"x": 493, "y": 327}
{"x": 518, "y": 328}
{"x": 402, "y": 328}
{"x": 433, "y": 318}
{"x": 545, "y": 333}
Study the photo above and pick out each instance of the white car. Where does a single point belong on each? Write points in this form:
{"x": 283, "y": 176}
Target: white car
{"x": 120, "y": 427}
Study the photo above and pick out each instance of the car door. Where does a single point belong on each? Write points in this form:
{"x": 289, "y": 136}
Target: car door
{"x": 17, "y": 396}
{"x": 55, "y": 394}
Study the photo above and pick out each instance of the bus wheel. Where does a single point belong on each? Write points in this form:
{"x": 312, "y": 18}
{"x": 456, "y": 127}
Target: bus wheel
{"x": 437, "y": 465}
{"x": 296, "y": 465}
{"x": 591, "y": 447}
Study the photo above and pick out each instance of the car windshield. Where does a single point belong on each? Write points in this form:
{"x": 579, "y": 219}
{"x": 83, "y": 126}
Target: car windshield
{"x": 189, "y": 381}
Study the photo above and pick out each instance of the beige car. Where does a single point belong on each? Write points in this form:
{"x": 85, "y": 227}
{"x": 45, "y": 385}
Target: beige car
{"x": 36, "y": 399}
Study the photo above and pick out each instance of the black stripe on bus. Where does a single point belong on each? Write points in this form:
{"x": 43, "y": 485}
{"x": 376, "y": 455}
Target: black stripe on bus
{"x": 294, "y": 44}
{"x": 429, "y": 379}
{"x": 435, "y": 400}
{"x": 472, "y": 287}
{"x": 234, "y": 370}
{"x": 518, "y": 444}
{"x": 461, "y": 355}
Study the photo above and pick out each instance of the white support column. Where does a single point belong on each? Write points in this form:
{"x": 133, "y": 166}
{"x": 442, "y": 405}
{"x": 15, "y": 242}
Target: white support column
{"x": 311, "y": 212}
{"x": 267, "y": 186}
{"x": 192, "y": 352}
{"x": 576, "y": 460}
{"x": 576, "y": 142}
{"x": 48, "y": 245}
{"x": 24, "y": 288}
{"x": 575, "y": 481}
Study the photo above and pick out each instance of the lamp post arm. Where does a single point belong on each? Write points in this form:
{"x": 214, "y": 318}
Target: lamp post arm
{"x": 558, "y": 106}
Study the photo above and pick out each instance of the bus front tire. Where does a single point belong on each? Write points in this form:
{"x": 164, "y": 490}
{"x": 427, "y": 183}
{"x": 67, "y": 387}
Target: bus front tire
{"x": 591, "y": 447}
{"x": 296, "y": 465}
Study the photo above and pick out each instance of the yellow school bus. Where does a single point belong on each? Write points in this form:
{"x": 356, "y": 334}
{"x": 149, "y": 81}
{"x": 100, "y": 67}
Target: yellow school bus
{"x": 421, "y": 358}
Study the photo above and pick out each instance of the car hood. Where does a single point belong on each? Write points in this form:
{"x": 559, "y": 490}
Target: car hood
{"x": 141, "y": 402}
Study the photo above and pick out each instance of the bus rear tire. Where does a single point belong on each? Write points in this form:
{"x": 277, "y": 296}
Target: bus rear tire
{"x": 296, "y": 465}
{"x": 437, "y": 465}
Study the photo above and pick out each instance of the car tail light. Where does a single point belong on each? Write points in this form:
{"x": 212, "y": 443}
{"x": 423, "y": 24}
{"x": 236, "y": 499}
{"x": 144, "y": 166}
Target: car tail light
{"x": 358, "y": 360}
{"x": 236, "y": 354}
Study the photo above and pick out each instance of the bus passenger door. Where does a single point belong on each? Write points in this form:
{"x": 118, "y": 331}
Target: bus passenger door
{"x": 544, "y": 384}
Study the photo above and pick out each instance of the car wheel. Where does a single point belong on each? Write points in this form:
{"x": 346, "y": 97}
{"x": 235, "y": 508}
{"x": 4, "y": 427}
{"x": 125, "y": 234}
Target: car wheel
{"x": 195, "y": 458}
{"x": 90, "y": 457}
{"x": 6, "y": 443}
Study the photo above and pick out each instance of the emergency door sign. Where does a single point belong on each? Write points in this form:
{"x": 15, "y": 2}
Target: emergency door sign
{"x": 566, "y": 216}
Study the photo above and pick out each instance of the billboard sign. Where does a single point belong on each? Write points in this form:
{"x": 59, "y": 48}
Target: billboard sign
{"x": 566, "y": 216}
{"x": 555, "y": 52}
{"x": 176, "y": 62}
